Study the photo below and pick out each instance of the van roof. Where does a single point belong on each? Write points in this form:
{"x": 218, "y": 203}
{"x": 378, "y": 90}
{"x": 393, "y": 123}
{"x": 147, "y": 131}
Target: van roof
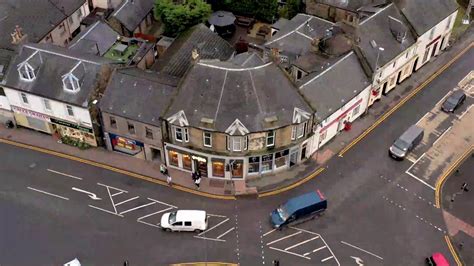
{"x": 304, "y": 200}
{"x": 194, "y": 214}
{"x": 411, "y": 133}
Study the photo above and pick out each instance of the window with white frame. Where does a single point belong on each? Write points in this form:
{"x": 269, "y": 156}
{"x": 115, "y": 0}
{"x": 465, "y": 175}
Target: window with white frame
{"x": 27, "y": 72}
{"x": 432, "y": 33}
{"x": 71, "y": 83}
{"x": 24, "y": 98}
{"x": 356, "y": 110}
{"x": 271, "y": 138}
{"x": 322, "y": 136}
{"x": 237, "y": 143}
{"x": 70, "y": 111}
{"x": 298, "y": 131}
{"x": 425, "y": 56}
{"x": 47, "y": 105}
{"x": 148, "y": 133}
{"x": 181, "y": 134}
{"x": 131, "y": 128}
{"x": 207, "y": 139}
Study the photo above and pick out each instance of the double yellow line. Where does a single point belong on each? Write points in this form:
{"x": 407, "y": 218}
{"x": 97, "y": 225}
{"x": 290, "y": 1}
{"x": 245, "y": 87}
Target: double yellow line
{"x": 403, "y": 101}
{"x": 444, "y": 176}
{"x": 115, "y": 169}
{"x": 451, "y": 249}
{"x": 302, "y": 181}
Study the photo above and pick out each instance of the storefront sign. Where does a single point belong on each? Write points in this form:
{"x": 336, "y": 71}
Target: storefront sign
{"x": 199, "y": 159}
{"x": 31, "y": 113}
{"x": 268, "y": 157}
{"x": 71, "y": 125}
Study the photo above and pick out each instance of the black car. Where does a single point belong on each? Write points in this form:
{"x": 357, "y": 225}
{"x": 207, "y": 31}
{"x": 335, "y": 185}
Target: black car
{"x": 454, "y": 101}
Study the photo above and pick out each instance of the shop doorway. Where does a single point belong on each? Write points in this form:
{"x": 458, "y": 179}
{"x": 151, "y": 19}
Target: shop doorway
{"x": 414, "y": 65}
{"x": 434, "y": 49}
{"x": 201, "y": 165}
{"x": 384, "y": 88}
{"x": 237, "y": 168}
{"x": 303, "y": 152}
{"x": 155, "y": 154}
{"x": 293, "y": 158}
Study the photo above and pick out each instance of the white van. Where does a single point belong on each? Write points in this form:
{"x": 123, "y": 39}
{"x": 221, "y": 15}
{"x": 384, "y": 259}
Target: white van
{"x": 184, "y": 220}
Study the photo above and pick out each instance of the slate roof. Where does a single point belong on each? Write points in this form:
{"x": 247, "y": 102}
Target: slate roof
{"x": 51, "y": 63}
{"x": 68, "y": 7}
{"x": 280, "y": 23}
{"x": 226, "y": 91}
{"x": 138, "y": 95}
{"x": 378, "y": 29}
{"x": 423, "y": 15}
{"x": 329, "y": 90}
{"x": 296, "y": 35}
{"x": 177, "y": 58}
{"x": 352, "y": 5}
{"x": 96, "y": 39}
{"x": 132, "y": 12}
{"x": 36, "y": 20}
{"x": 6, "y": 57}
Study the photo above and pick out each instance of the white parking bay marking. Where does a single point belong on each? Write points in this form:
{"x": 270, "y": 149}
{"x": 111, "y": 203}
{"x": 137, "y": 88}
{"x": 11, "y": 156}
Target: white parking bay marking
{"x": 60, "y": 173}
{"x": 214, "y": 227}
{"x": 208, "y": 238}
{"x": 292, "y": 253}
{"x": 139, "y": 207}
{"x": 328, "y": 258}
{"x": 107, "y": 211}
{"x": 316, "y": 250}
{"x": 269, "y": 232}
{"x": 130, "y": 199}
{"x": 301, "y": 243}
{"x": 47, "y": 193}
{"x": 283, "y": 238}
{"x": 228, "y": 231}
{"x": 363, "y": 250}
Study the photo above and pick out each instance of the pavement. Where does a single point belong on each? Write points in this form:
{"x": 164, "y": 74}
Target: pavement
{"x": 457, "y": 205}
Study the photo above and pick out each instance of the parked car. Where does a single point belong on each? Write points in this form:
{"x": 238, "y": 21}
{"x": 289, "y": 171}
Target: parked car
{"x": 406, "y": 142}
{"x": 299, "y": 209}
{"x": 453, "y": 101}
{"x": 184, "y": 220}
{"x": 437, "y": 259}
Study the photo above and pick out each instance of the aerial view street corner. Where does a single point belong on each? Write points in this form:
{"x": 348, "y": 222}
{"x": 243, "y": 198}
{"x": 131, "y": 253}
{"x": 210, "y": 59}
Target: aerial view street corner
{"x": 236, "y": 132}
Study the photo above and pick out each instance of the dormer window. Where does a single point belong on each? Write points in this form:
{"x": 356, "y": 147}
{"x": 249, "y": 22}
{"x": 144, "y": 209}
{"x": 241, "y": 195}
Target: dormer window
{"x": 71, "y": 83}
{"x": 27, "y": 72}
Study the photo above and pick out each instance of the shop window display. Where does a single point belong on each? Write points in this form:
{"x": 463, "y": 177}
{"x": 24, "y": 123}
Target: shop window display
{"x": 218, "y": 168}
{"x": 173, "y": 158}
{"x": 187, "y": 162}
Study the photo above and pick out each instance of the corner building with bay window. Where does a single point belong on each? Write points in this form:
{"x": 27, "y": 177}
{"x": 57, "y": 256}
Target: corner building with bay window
{"x": 235, "y": 119}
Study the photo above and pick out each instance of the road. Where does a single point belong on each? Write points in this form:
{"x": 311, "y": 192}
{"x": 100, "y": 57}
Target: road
{"x": 377, "y": 214}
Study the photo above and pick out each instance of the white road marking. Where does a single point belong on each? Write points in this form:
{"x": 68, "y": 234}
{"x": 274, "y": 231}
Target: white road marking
{"x": 330, "y": 250}
{"x": 153, "y": 225}
{"x": 214, "y": 215}
{"x": 118, "y": 193}
{"x": 465, "y": 112}
{"x": 442, "y": 99}
{"x": 47, "y": 193}
{"x": 107, "y": 211}
{"x": 100, "y": 184}
{"x": 316, "y": 250}
{"x": 214, "y": 226}
{"x": 419, "y": 158}
{"x": 301, "y": 243}
{"x": 228, "y": 231}
{"x": 89, "y": 194}
{"x": 292, "y": 253}
{"x": 138, "y": 207}
{"x": 207, "y": 238}
{"x": 370, "y": 253}
{"x": 269, "y": 232}
{"x": 59, "y": 173}
{"x": 151, "y": 214}
{"x": 440, "y": 137}
{"x": 169, "y": 205}
{"x": 423, "y": 182}
{"x": 283, "y": 238}
{"x": 306, "y": 231}
{"x": 130, "y": 199}
{"x": 412, "y": 160}
{"x": 422, "y": 118}
{"x": 328, "y": 258}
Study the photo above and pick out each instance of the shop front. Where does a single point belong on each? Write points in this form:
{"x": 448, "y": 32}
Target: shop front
{"x": 127, "y": 146}
{"x": 67, "y": 129}
{"x": 271, "y": 162}
{"x": 32, "y": 119}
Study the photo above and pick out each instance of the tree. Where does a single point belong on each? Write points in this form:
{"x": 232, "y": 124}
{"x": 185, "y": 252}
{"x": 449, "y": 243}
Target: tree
{"x": 266, "y": 10}
{"x": 178, "y": 18}
{"x": 294, "y": 7}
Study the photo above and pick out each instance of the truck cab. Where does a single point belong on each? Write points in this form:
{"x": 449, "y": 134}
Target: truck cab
{"x": 299, "y": 209}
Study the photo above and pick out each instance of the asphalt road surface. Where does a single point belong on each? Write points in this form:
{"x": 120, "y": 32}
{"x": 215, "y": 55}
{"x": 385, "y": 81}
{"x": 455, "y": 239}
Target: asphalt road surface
{"x": 53, "y": 210}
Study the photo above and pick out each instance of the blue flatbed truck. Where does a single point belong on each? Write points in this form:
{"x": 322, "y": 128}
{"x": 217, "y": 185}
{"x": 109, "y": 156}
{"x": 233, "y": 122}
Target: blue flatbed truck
{"x": 299, "y": 209}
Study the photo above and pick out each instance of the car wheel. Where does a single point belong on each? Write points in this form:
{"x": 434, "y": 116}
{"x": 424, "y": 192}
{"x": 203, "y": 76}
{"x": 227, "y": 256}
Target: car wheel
{"x": 198, "y": 231}
{"x": 168, "y": 229}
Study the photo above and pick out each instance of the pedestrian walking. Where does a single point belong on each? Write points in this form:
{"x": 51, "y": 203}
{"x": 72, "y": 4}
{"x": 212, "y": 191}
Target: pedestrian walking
{"x": 163, "y": 169}
{"x": 169, "y": 180}
{"x": 194, "y": 176}
{"x": 197, "y": 182}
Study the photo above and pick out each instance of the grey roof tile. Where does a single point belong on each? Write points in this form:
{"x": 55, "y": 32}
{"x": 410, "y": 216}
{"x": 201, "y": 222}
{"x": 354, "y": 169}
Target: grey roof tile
{"x": 177, "y": 58}
{"x": 224, "y": 92}
{"x": 132, "y": 12}
{"x": 425, "y": 14}
{"x": 95, "y": 39}
{"x": 51, "y": 63}
{"x": 138, "y": 95}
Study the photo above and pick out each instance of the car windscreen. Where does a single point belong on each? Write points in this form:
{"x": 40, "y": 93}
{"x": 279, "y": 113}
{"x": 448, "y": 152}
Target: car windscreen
{"x": 453, "y": 100}
{"x": 172, "y": 218}
{"x": 400, "y": 144}
{"x": 283, "y": 212}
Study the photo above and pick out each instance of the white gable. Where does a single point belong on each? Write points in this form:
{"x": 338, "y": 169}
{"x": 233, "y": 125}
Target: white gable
{"x": 237, "y": 126}
{"x": 178, "y": 118}
{"x": 300, "y": 115}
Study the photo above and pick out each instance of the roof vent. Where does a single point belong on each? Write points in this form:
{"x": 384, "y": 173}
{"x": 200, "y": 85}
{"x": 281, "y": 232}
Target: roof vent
{"x": 373, "y": 43}
{"x": 271, "y": 119}
{"x": 207, "y": 120}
